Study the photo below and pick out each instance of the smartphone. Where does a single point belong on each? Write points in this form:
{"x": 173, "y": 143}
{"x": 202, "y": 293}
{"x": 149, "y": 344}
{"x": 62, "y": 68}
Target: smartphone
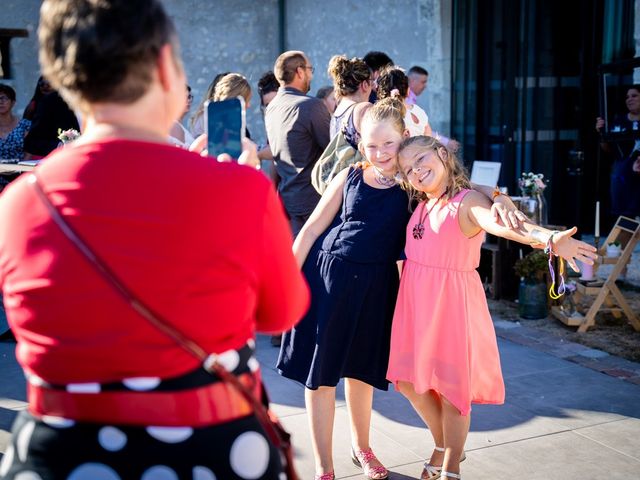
{"x": 225, "y": 126}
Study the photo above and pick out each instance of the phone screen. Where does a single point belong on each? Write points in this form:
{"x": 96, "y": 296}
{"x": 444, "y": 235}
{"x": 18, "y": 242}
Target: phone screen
{"x": 225, "y": 126}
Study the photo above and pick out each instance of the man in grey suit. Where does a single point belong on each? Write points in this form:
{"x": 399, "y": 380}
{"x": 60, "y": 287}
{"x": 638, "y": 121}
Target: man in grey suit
{"x": 298, "y": 132}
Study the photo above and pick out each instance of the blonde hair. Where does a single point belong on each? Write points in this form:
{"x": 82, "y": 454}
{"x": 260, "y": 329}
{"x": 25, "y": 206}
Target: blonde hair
{"x": 457, "y": 176}
{"x": 387, "y": 110}
{"x": 207, "y": 96}
{"x": 231, "y": 86}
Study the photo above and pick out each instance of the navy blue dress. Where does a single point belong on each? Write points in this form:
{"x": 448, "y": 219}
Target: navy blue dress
{"x": 352, "y": 273}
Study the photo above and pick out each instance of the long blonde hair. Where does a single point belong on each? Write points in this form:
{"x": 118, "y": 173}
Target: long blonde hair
{"x": 457, "y": 176}
{"x": 230, "y": 86}
{"x": 207, "y": 96}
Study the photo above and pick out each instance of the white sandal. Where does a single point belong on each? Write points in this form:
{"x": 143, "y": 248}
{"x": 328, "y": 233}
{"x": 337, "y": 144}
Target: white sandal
{"x": 433, "y": 471}
{"x": 444, "y": 473}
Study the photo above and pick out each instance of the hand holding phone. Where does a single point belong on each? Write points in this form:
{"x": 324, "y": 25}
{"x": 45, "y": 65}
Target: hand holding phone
{"x": 225, "y": 127}
{"x": 249, "y": 155}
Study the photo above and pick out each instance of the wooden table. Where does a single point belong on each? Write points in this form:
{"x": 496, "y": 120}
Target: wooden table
{"x": 8, "y": 168}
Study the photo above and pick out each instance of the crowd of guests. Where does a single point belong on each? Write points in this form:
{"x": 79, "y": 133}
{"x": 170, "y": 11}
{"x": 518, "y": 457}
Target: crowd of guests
{"x": 36, "y": 134}
{"x": 129, "y": 313}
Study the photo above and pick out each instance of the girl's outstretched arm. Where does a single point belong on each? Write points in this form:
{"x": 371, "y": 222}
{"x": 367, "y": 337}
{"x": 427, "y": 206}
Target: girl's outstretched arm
{"x": 475, "y": 215}
{"x": 503, "y": 208}
{"x": 321, "y": 218}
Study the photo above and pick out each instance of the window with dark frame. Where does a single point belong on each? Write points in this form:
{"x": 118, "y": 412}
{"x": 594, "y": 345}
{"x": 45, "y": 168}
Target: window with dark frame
{"x": 6, "y": 34}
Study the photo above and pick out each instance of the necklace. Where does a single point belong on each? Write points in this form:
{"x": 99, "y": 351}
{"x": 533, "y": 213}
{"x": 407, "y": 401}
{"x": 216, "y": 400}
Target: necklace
{"x": 418, "y": 228}
{"x": 382, "y": 180}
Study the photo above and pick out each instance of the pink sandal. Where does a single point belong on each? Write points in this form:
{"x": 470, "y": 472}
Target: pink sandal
{"x": 325, "y": 476}
{"x": 362, "y": 458}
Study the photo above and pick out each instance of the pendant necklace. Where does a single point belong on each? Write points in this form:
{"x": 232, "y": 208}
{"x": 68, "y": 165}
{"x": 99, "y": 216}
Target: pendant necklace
{"x": 382, "y": 180}
{"x": 418, "y": 228}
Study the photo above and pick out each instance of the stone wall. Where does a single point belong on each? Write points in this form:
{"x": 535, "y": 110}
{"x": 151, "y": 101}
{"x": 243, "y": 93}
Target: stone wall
{"x": 411, "y": 32}
{"x": 243, "y": 36}
{"x": 22, "y": 14}
{"x": 227, "y": 36}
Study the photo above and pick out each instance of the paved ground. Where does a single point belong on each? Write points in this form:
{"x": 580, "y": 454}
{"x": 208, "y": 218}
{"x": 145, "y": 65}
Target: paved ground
{"x": 562, "y": 419}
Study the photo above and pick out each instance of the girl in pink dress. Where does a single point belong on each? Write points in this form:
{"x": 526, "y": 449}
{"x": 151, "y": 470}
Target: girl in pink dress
{"x": 444, "y": 354}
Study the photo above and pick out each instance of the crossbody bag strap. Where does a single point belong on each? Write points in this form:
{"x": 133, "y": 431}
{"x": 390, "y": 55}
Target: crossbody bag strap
{"x": 209, "y": 361}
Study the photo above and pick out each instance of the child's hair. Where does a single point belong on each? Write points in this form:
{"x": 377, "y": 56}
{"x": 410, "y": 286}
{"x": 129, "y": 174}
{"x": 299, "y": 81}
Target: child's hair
{"x": 458, "y": 178}
{"x": 211, "y": 89}
{"x": 347, "y": 74}
{"x": 387, "y": 110}
{"x": 230, "y": 86}
{"x": 390, "y": 79}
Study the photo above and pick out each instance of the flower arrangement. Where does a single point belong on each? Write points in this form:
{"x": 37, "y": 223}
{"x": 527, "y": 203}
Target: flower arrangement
{"x": 67, "y": 136}
{"x": 532, "y": 266}
{"x": 531, "y": 184}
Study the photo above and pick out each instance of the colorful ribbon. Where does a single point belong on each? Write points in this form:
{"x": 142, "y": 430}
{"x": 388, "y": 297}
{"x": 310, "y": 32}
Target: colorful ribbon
{"x": 555, "y": 295}
{"x": 561, "y": 290}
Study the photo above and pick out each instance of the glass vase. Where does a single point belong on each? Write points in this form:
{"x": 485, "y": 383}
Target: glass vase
{"x": 529, "y": 206}
{"x": 542, "y": 217}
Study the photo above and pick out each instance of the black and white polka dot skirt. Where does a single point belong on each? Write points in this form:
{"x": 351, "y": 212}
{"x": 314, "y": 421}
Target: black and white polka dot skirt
{"x": 52, "y": 449}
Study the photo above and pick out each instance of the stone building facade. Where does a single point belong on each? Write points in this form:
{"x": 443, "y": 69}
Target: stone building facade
{"x": 246, "y": 36}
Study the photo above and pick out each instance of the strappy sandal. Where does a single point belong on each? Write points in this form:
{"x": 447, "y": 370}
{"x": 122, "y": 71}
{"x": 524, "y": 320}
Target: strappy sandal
{"x": 362, "y": 459}
{"x": 325, "y": 476}
{"x": 433, "y": 472}
{"x": 444, "y": 473}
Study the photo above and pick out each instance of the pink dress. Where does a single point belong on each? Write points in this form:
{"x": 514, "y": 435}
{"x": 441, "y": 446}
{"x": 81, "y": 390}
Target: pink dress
{"x": 442, "y": 336}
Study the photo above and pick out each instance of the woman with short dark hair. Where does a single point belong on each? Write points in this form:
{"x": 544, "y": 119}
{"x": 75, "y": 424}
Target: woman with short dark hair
{"x": 12, "y": 129}
{"x": 114, "y": 391}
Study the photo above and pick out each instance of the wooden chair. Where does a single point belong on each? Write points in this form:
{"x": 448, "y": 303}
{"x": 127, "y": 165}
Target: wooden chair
{"x": 626, "y": 231}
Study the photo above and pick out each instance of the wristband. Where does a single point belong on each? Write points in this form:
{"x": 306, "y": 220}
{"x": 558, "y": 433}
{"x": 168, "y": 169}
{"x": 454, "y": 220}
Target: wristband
{"x": 496, "y": 193}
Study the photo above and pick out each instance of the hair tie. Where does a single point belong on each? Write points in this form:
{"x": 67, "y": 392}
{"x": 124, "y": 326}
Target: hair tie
{"x": 395, "y": 93}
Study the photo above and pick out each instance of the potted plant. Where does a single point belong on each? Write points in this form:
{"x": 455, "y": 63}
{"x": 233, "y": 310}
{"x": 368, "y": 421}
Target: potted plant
{"x": 532, "y": 294}
{"x": 614, "y": 249}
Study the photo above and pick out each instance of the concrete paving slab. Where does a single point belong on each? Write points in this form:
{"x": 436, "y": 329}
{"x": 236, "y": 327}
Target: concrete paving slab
{"x": 518, "y": 360}
{"x": 387, "y": 448}
{"x": 575, "y": 396}
{"x": 593, "y": 353}
{"x": 566, "y": 456}
{"x": 490, "y": 425}
{"x": 563, "y": 456}
{"x": 622, "y": 436}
